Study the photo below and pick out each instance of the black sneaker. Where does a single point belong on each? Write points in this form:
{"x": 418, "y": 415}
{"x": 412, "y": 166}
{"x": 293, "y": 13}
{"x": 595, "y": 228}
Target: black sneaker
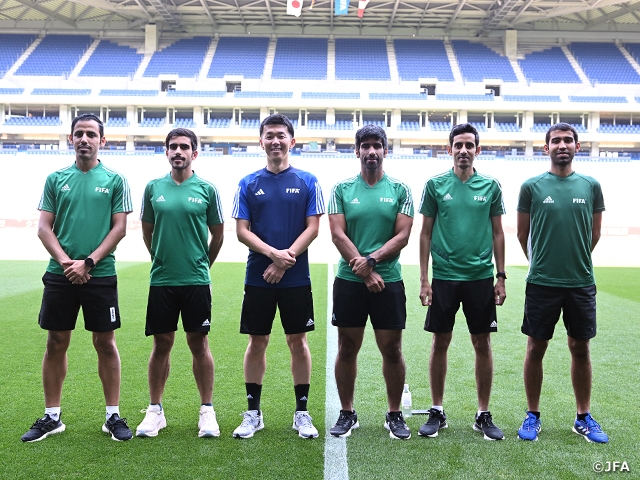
{"x": 117, "y": 427}
{"x": 484, "y": 423}
{"x": 397, "y": 427}
{"x": 42, "y": 428}
{"x": 437, "y": 421}
{"x": 346, "y": 422}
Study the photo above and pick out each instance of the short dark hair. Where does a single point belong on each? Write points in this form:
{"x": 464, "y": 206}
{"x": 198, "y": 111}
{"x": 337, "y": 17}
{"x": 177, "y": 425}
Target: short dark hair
{"x": 182, "y": 132}
{"x": 563, "y": 127}
{"x": 371, "y": 131}
{"x": 463, "y": 128}
{"x": 88, "y": 116}
{"x": 277, "y": 119}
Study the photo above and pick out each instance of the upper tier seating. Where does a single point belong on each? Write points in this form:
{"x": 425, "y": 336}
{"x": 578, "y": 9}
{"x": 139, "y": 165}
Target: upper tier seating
{"x": 422, "y": 59}
{"x": 604, "y": 63}
{"x": 465, "y": 97}
{"x": 55, "y": 55}
{"x": 33, "y": 121}
{"x": 420, "y": 97}
{"x": 624, "y": 129}
{"x": 300, "y": 58}
{"x": 531, "y": 98}
{"x": 11, "y": 91}
{"x": 507, "y": 127}
{"x": 115, "y": 92}
{"x": 196, "y": 93}
{"x": 184, "y": 123}
{"x": 61, "y": 91}
{"x": 252, "y": 51}
{"x": 152, "y": 122}
{"x": 543, "y": 127}
{"x": 219, "y": 123}
{"x": 322, "y": 125}
{"x": 102, "y": 64}
{"x": 249, "y": 94}
{"x": 409, "y": 126}
{"x": 597, "y": 99}
{"x": 478, "y": 62}
{"x": 116, "y": 122}
{"x": 183, "y": 58}
{"x": 361, "y": 59}
{"x": 440, "y": 126}
{"x": 12, "y": 46}
{"x": 633, "y": 49}
{"x": 548, "y": 66}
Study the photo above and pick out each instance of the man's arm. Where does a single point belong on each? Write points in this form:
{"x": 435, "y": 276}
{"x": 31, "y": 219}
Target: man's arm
{"x": 522, "y": 231}
{"x": 596, "y": 228}
{"x": 499, "y": 290}
{"x": 390, "y": 249}
{"x": 217, "y": 236}
{"x": 147, "y": 234}
{"x": 425, "y": 253}
{"x": 49, "y": 239}
{"x": 282, "y": 258}
{"x": 77, "y": 270}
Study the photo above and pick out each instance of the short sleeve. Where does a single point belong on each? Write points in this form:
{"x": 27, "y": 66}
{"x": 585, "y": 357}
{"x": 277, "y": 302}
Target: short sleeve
{"x": 497, "y": 201}
{"x": 48, "y": 199}
{"x": 147, "y": 214}
{"x": 214, "y": 210}
{"x": 405, "y": 201}
{"x": 598, "y": 199}
{"x": 428, "y": 204}
{"x": 335, "y": 202}
{"x": 121, "y": 199}
{"x": 524, "y": 198}
{"x": 240, "y": 205}
{"x": 315, "y": 201}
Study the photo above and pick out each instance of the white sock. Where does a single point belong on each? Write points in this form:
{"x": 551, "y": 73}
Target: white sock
{"x": 204, "y": 408}
{"x": 53, "y": 412}
{"x": 481, "y": 412}
{"x": 155, "y": 407}
{"x": 438, "y": 407}
{"x": 111, "y": 409}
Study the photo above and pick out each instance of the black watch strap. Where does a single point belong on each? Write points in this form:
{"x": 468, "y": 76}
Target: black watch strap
{"x": 371, "y": 261}
{"x": 89, "y": 262}
{"x": 501, "y": 275}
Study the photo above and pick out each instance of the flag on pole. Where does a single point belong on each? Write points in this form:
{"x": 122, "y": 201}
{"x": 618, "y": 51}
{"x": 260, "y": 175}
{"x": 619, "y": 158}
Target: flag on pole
{"x": 362, "y": 4}
{"x": 341, "y": 7}
{"x": 294, "y": 7}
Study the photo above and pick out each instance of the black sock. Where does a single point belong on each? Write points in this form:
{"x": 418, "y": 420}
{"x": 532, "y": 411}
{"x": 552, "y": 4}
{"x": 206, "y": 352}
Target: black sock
{"x": 537, "y": 414}
{"x": 581, "y": 416}
{"x": 253, "y": 395}
{"x": 302, "y": 392}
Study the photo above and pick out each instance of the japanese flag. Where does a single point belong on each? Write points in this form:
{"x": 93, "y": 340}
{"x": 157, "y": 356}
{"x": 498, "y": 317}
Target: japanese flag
{"x": 362, "y": 4}
{"x": 294, "y": 7}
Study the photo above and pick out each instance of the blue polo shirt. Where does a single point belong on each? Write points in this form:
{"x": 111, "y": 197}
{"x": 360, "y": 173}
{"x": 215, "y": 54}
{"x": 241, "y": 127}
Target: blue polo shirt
{"x": 277, "y": 206}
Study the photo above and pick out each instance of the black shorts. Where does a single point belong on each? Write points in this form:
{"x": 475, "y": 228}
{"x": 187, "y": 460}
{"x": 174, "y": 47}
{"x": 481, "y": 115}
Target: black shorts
{"x": 61, "y": 302}
{"x": 165, "y": 305}
{"x": 478, "y": 304}
{"x": 353, "y": 303}
{"x": 542, "y": 307}
{"x": 295, "y": 305}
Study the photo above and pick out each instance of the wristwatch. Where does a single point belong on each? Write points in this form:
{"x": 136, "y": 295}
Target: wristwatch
{"x": 89, "y": 262}
{"x": 371, "y": 261}
{"x": 501, "y": 275}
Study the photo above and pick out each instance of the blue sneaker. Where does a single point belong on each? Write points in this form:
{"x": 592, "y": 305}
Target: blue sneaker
{"x": 530, "y": 428}
{"x": 590, "y": 430}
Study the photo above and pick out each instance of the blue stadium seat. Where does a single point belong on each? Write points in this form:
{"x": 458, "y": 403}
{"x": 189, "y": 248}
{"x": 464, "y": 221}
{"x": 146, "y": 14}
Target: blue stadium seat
{"x": 252, "y": 51}
{"x": 61, "y": 91}
{"x": 116, "y": 122}
{"x": 247, "y": 94}
{"x": 604, "y": 63}
{"x": 219, "y": 123}
{"x": 361, "y": 59}
{"x": 331, "y": 95}
{"x": 11, "y": 91}
{"x": 507, "y": 127}
{"x": 12, "y": 46}
{"x": 183, "y": 58}
{"x": 111, "y": 92}
{"x": 102, "y": 64}
{"x": 184, "y": 123}
{"x": 548, "y": 66}
{"x": 408, "y": 126}
{"x": 196, "y": 93}
{"x": 55, "y": 55}
{"x": 597, "y": 99}
{"x": 531, "y": 98}
{"x": 422, "y": 59}
{"x": 455, "y": 97}
{"x": 152, "y": 122}
{"x": 478, "y": 62}
{"x": 420, "y": 97}
{"x": 300, "y": 58}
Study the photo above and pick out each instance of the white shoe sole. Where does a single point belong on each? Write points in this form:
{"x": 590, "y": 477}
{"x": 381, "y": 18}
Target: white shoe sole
{"x": 208, "y": 433}
{"x": 259, "y": 427}
{"x": 478, "y": 429}
{"x": 151, "y": 433}
{"x": 348, "y": 434}
{"x": 391, "y": 435}
{"x": 60, "y": 429}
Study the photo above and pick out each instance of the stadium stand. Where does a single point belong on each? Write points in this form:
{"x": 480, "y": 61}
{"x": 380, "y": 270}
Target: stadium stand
{"x": 360, "y": 59}
{"x": 481, "y": 127}
{"x": 604, "y": 63}
{"x": 183, "y": 58}
{"x": 507, "y": 127}
{"x": 531, "y": 98}
{"x": 12, "y": 46}
{"x": 219, "y": 123}
{"x": 633, "y": 49}
{"x": 461, "y": 97}
{"x": 61, "y": 91}
{"x": 622, "y": 129}
{"x": 440, "y": 126}
{"x": 246, "y": 94}
{"x": 300, "y": 58}
{"x": 196, "y": 93}
{"x": 152, "y": 122}
{"x": 111, "y": 92}
{"x": 330, "y": 96}
{"x": 102, "y": 64}
{"x": 116, "y": 122}
{"x": 252, "y": 50}
{"x": 543, "y": 127}
{"x": 66, "y": 49}
{"x": 253, "y": 123}
{"x": 398, "y": 96}
{"x": 33, "y": 121}
{"x": 548, "y": 66}
{"x": 597, "y": 99}
{"x": 11, "y": 91}
{"x": 377, "y": 123}
{"x": 322, "y": 125}
{"x": 409, "y": 127}
{"x": 422, "y": 59}
{"x": 478, "y": 62}
{"x": 184, "y": 123}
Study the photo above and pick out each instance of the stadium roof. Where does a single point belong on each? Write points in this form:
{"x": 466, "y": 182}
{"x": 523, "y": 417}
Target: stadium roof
{"x": 537, "y": 20}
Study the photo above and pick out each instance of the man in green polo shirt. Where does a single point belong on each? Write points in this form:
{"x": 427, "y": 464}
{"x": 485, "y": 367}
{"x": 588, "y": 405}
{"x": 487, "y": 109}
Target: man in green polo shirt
{"x": 83, "y": 217}
{"x": 179, "y": 211}
{"x": 461, "y": 232}
{"x": 559, "y": 220}
{"x": 370, "y": 216}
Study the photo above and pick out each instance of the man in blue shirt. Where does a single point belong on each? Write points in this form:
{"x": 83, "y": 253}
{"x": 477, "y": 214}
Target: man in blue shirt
{"x": 277, "y": 211}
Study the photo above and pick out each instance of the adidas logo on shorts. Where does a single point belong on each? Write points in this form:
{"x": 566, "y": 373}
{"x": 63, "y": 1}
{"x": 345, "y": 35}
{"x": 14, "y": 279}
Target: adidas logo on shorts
{"x": 494, "y": 324}
{"x": 206, "y": 323}
{"x": 310, "y": 322}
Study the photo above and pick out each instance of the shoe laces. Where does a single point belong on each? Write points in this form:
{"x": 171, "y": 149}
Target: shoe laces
{"x": 248, "y": 419}
{"x": 396, "y": 419}
{"x": 592, "y": 424}
{"x": 118, "y": 422}
{"x": 344, "y": 418}
{"x": 531, "y": 422}
{"x": 41, "y": 422}
{"x": 303, "y": 419}
{"x": 435, "y": 415}
{"x": 207, "y": 415}
{"x": 487, "y": 419}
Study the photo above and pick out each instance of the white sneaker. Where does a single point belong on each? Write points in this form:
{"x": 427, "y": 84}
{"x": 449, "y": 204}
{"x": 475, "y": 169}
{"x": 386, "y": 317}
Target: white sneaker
{"x": 251, "y": 423}
{"x": 153, "y": 421}
{"x": 208, "y": 424}
{"x": 302, "y": 423}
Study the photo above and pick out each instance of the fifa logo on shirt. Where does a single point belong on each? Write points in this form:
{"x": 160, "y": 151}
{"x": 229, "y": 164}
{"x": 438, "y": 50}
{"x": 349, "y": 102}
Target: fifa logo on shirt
{"x": 386, "y": 200}
{"x": 102, "y": 190}
{"x": 195, "y": 200}
{"x": 293, "y": 190}
{"x": 579, "y": 200}
{"x": 479, "y": 198}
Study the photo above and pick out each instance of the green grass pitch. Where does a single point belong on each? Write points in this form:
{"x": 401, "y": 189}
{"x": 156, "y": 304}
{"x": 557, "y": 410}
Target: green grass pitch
{"x": 83, "y": 451}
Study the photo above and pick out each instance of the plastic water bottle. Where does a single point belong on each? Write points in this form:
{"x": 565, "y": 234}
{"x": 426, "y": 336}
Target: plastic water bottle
{"x": 406, "y": 401}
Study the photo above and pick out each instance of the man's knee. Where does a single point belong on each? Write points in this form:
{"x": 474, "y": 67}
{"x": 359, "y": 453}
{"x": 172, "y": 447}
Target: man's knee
{"x": 579, "y": 349}
{"x": 481, "y": 343}
{"x": 105, "y": 343}
{"x": 58, "y": 342}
